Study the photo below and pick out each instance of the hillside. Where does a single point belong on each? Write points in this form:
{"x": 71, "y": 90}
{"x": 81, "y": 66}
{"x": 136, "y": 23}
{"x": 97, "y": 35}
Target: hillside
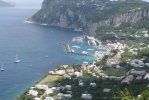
{"x": 92, "y": 15}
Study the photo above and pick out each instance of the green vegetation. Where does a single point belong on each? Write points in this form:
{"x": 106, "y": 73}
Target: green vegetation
{"x": 25, "y": 97}
{"x": 50, "y": 79}
{"x": 135, "y": 88}
{"x": 126, "y": 56}
{"x": 115, "y": 72}
{"x": 143, "y": 52}
{"x": 126, "y": 95}
{"x": 83, "y": 14}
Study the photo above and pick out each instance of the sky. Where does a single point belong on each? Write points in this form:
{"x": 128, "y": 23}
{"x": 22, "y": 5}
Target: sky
{"x": 30, "y": 3}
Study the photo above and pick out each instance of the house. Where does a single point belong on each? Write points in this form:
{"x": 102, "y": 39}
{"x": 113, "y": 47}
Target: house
{"x": 86, "y": 96}
{"x": 83, "y": 67}
{"x": 36, "y": 98}
{"x": 67, "y": 76}
{"x": 147, "y": 64}
{"x": 85, "y": 63}
{"x": 68, "y": 96}
{"x": 127, "y": 80}
{"x": 106, "y": 90}
{"x": 33, "y": 92}
{"x": 78, "y": 74}
{"x": 137, "y": 63}
{"x": 137, "y": 73}
{"x": 146, "y": 35}
{"x": 146, "y": 76}
{"x": 60, "y": 95}
{"x": 91, "y": 66}
{"x": 139, "y": 78}
{"x": 68, "y": 87}
{"x": 49, "y": 91}
{"x": 64, "y": 66}
{"x": 93, "y": 84}
{"x": 60, "y": 72}
{"x": 81, "y": 83}
{"x": 70, "y": 70}
{"x": 49, "y": 98}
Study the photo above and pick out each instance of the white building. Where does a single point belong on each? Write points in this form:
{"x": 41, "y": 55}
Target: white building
{"x": 49, "y": 98}
{"x": 33, "y": 92}
{"x": 106, "y": 90}
{"x": 86, "y": 96}
{"x": 68, "y": 87}
{"x": 49, "y": 91}
{"x": 146, "y": 76}
{"x": 36, "y": 98}
{"x": 42, "y": 86}
{"x": 93, "y": 84}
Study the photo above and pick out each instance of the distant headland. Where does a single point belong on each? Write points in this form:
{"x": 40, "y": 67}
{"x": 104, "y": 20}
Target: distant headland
{"x": 6, "y": 4}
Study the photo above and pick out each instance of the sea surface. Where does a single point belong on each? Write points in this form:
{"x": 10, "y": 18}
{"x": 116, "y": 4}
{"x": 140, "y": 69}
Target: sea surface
{"x": 37, "y": 46}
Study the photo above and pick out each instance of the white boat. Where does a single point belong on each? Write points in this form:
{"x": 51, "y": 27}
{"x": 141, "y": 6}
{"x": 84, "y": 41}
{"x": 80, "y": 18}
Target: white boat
{"x": 90, "y": 49}
{"x": 17, "y": 60}
{"x": 84, "y": 52}
{"x": 2, "y": 68}
{"x": 76, "y": 46}
{"x": 72, "y": 50}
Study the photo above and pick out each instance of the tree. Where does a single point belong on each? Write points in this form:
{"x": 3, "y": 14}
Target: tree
{"x": 144, "y": 95}
{"x": 125, "y": 95}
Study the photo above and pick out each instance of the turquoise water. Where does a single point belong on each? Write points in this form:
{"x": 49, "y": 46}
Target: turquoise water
{"x": 36, "y": 45}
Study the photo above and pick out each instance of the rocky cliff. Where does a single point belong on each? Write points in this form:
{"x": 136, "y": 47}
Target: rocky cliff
{"x": 89, "y": 15}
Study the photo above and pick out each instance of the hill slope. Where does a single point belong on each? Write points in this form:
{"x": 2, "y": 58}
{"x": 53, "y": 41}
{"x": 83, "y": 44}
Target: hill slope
{"x": 89, "y": 15}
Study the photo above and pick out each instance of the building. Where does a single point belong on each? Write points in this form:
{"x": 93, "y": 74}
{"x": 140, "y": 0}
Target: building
{"x": 49, "y": 98}
{"x": 40, "y": 86}
{"x": 49, "y": 91}
{"x": 86, "y": 96}
{"x": 93, "y": 84}
{"x": 146, "y": 76}
{"x": 137, "y": 73}
{"x": 106, "y": 90}
{"x": 33, "y": 92}
{"x": 137, "y": 63}
{"x": 127, "y": 80}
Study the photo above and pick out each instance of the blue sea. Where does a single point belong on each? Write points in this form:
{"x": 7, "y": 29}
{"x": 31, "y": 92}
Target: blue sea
{"x": 37, "y": 46}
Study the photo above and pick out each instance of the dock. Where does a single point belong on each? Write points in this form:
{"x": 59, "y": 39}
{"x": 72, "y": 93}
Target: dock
{"x": 70, "y": 51}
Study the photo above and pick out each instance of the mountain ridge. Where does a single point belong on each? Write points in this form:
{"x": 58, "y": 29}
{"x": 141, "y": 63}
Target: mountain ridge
{"x": 90, "y": 15}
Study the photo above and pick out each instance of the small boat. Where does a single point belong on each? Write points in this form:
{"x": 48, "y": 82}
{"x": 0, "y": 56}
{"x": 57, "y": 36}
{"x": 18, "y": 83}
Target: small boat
{"x": 76, "y": 46}
{"x": 84, "y": 52}
{"x": 72, "y": 50}
{"x": 90, "y": 49}
{"x": 2, "y": 68}
{"x": 17, "y": 60}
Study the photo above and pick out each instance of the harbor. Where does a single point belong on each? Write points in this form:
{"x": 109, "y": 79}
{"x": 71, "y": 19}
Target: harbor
{"x": 69, "y": 50}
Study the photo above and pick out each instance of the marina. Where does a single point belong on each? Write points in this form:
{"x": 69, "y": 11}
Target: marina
{"x": 70, "y": 51}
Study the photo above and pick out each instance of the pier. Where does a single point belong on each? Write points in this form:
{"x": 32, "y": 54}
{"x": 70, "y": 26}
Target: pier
{"x": 70, "y": 51}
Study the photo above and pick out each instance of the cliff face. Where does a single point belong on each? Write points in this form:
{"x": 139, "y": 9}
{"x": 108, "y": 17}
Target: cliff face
{"x": 88, "y": 15}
